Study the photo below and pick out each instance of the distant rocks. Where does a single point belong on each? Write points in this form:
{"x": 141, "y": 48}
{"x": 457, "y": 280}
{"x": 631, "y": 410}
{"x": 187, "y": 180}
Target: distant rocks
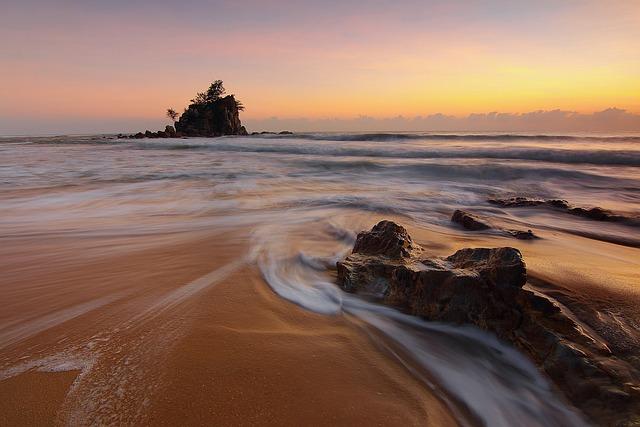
{"x": 210, "y": 114}
{"x": 594, "y": 213}
{"x": 168, "y": 132}
{"x": 472, "y": 222}
{"x": 215, "y": 118}
{"x": 518, "y": 202}
{"x": 484, "y": 287}
{"x": 264, "y": 132}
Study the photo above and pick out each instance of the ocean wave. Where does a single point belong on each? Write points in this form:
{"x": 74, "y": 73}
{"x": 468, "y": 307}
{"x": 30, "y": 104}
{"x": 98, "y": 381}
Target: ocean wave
{"x": 488, "y": 172}
{"x": 389, "y": 136}
{"x": 550, "y": 155}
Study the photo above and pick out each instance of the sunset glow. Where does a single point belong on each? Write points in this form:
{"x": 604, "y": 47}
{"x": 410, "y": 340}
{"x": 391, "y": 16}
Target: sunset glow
{"x": 81, "y": 62}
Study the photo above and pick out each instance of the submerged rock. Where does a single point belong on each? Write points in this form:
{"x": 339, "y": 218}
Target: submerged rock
{"x": 522, "y": 235}
{"x": 594, "y": 213}
{"x": 484, "y": 287}
{"x": 473, "y": 222}
{"x": 469, "y": 221}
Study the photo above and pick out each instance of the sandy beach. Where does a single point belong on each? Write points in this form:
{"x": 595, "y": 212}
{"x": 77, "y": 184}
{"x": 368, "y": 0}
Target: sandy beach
{"x": 189, "y": 282}
{"x": 311, "y": 213}
{"x": 184, "y": 334}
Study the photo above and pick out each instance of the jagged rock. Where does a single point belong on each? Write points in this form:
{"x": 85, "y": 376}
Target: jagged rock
{"x": 472, "y": 222}
{"x": 469, "y": 221}
{"x": 285, "y": 132}
{"x": 170, "y": 131}
{"x": 595, "y": 213}
{"x": 522, "y": 235}
{"x": 138, "y": 135}
{"x": 518, "y": 202}
{"x": 385, "y": 238}
{"x": 217, "y": 118}
{"x": 484, "y": 287}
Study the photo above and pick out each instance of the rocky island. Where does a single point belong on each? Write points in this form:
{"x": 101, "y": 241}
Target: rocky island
{"x": 210, "y": 114}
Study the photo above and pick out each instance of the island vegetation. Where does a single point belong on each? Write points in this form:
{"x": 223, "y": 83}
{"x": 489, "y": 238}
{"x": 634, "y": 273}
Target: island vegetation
{"x": 211, "y": 113}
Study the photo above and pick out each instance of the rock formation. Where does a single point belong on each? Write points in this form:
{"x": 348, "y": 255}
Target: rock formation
{"x": 210, "y": 114}
{"x": 594, "y": 213}
{"x": 469, "y": 221}
{"x": 484, "y": 287}
{"x": 217, "y": 118}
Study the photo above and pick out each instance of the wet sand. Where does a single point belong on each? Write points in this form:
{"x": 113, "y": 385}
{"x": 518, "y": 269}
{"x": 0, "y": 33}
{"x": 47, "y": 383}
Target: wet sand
{"x": 188, "y": 333}
{"x": 174, "y": 282}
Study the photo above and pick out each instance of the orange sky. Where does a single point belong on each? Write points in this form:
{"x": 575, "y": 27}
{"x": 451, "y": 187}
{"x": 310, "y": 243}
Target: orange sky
{"x": 76, "y": 62}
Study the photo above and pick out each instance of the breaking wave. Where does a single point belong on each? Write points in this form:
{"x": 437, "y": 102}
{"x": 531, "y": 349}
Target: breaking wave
{"x": 546, "y": 154}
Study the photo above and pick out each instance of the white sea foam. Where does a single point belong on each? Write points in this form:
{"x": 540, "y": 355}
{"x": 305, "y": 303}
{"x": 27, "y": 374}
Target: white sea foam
{"x": 494, "y": 381}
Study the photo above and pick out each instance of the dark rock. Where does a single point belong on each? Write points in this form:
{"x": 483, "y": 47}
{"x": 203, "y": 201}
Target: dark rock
{"x": 161, "y": 134}
{"x": 595, "y": 213}
{"x": 149, "y": 134}
{"x": 557, "y": 203}
{"x": 385, "y": 238}
{"x": 469, "y": 221}
{"x": 522, "y": 235}
{"x": 472, "y": 222}
{"x": 139, "y": 135}
{"x": 170, "y": 131}
{"x": 484, "y": 287}
{"x": 516, "y": 202}
{"x": 285, "y": 132}
{"x": 217, "y": 118}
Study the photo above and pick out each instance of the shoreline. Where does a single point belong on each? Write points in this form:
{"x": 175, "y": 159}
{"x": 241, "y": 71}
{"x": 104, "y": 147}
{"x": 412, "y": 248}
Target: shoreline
{"x": 124, "y": 267}
{"x": 263, "y": 358}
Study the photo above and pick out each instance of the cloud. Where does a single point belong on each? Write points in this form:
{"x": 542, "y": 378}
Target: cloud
{"x": 609, "y": 120}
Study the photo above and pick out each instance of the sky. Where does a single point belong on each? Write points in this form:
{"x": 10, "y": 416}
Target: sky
{"x": 70, "y": 66}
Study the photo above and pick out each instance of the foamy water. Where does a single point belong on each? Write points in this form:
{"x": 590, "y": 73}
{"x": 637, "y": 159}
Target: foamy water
{"x": 305, "y": 197}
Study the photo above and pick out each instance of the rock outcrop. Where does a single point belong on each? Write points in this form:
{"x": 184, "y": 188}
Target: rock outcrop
{"x": 469, "y": 221}
{"x": 217, "y": 118}
{"x": 210, "y": 114}
{"x": 484, "y": 287}
{"x": 472, "y": 222}
{"x": 594, "y": 213}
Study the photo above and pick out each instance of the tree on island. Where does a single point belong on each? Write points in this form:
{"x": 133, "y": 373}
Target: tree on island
{"x": 214, "y": 93}
{"x": 212, "y": 113}
{"x": 171, "y": 113}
